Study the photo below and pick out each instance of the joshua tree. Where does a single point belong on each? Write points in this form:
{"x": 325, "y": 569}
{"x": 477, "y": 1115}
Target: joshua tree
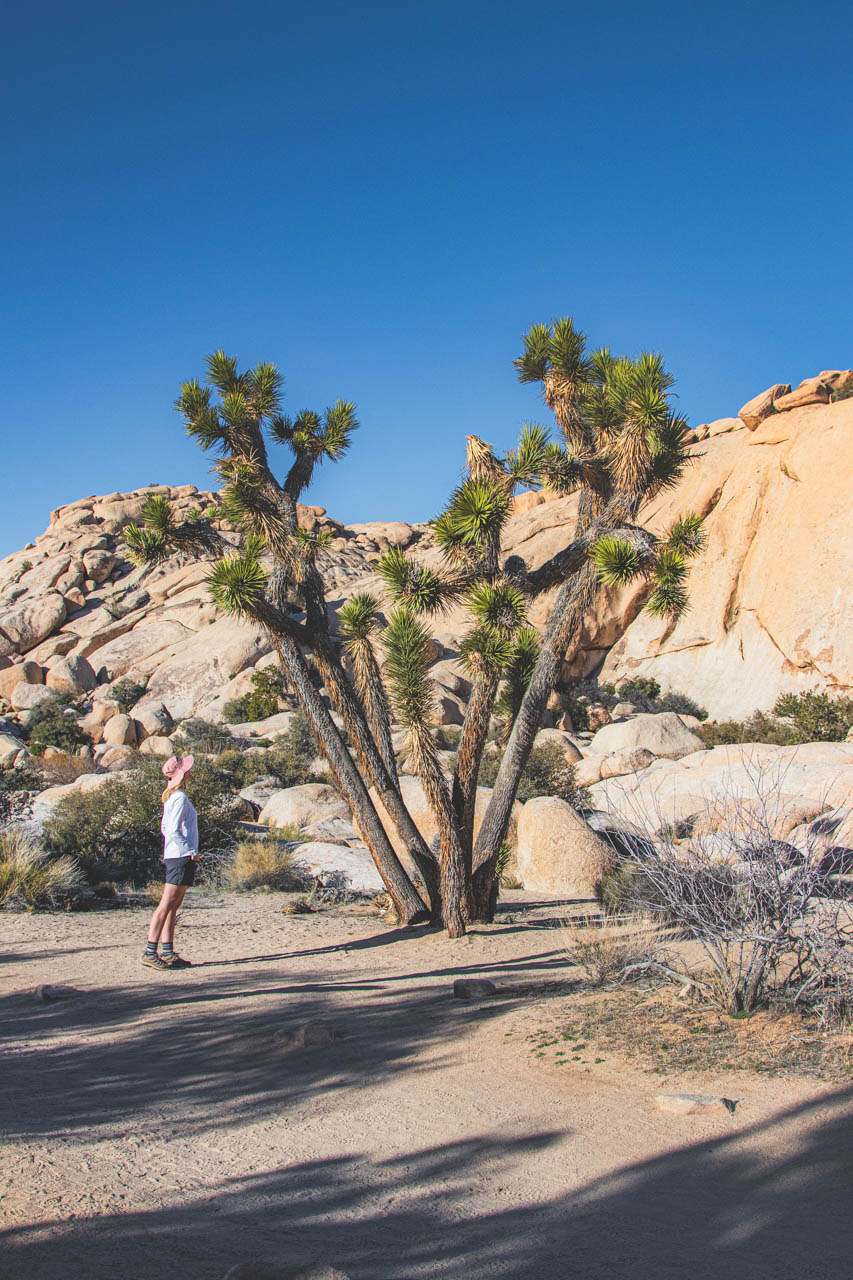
{"x": 620, "y": 444}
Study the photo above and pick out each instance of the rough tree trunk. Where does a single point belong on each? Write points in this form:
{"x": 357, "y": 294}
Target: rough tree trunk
{"x": 573, "y": 600}
{"x": 407, "y": 902}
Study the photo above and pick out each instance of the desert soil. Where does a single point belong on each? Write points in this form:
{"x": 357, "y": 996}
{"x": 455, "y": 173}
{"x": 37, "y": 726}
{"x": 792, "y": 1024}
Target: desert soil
{"x": 154, "y": 1127}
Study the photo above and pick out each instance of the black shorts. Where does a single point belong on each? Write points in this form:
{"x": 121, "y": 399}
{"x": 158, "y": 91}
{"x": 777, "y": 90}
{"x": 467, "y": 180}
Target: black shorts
{"x": 180, "y": 871}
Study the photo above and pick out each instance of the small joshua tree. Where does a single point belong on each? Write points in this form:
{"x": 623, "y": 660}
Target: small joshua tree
{"x": 620, "y": 443}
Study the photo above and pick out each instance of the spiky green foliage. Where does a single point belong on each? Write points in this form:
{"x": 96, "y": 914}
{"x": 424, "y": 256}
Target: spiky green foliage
{"x": 474, "y": 517}
{"x": 157, "y": 512}
{"x": 499, "y": 606}
{"x": 357, "y": 619}
{"x": 669, "y": 595}
{"x": 517, "y": 676}
{"x": 407, "y": 656}
{"x": 616, "y": 560}
{"x": 487, "y": 650}
{"x": 687, "y": 535}
{"x": 237, "y": 584}
{"x": 525, "y": 464}
{"x": 418, "y": 586}
{"x": 146, "y": 546}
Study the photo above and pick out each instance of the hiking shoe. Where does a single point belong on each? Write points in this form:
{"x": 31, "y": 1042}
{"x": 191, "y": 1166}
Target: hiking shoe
{"x": 154, "y": 962}
{"x": 174, "y": 961}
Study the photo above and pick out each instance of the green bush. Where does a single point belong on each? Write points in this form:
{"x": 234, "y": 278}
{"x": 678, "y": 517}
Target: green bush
{"x": 127, "y": 693}
{"x": 643, "y": 691}
{"x": 289, "y": 758}
{"x": 796, "y": 718}
{"x": 263, "y": 699}
{"x": 546, "y": 774}
{"x": 816, "y": 717}
{"x": 53, "y": 726}
{"x": 114, "y": 832}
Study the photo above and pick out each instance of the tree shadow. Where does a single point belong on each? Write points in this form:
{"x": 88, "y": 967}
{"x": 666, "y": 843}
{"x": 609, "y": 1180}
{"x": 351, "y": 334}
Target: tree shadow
{"x": 770, "y": 1202}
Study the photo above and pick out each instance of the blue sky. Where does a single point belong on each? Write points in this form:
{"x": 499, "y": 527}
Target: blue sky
{"x": 381, "y": 198}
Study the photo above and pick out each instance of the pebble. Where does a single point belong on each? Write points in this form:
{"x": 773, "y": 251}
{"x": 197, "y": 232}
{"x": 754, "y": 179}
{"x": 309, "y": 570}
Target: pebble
{"x": 315, "y": 1034}
{"x": 473, "y": 988}
{"x": 46, "y": 992}
{"x": 692, "y": 1104}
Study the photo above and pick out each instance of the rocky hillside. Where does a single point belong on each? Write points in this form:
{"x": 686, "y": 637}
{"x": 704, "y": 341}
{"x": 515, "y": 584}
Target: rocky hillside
{"x": 769, "y": 604}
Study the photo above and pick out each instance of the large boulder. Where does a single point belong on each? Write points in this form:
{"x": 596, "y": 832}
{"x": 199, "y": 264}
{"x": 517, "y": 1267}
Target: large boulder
{"x": 299, "y": 806}
{"x": 557, "y": 852}
{"x": 631, "y": 760}
{"x": 762, "y": 405}
{"x": 338, "y": 866}
{"x": 273, "y": 727}
{"x": 662, "y": 734}
{"x": 72, "y": 675}
{"x": 27, "y": 696}
{"x": 748, "y": 786}
{"x": 556, "y": 738}
{"x": 810, "y": 391}
{"x": 10, "y": 747}
{"x": 152, "y": 720}
{"x": 769, "y": 595}
{"x": 19, "y": 673}
{"x": 24, "y": 625}
{"x": 119, "y": 731}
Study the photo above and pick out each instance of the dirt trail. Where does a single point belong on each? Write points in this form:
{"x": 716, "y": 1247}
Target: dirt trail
{"x": 153, "y": 1128}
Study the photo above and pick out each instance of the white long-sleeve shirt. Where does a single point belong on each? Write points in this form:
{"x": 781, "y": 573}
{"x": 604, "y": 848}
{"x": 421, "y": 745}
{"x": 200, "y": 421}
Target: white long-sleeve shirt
{"x": 179, "y": 826}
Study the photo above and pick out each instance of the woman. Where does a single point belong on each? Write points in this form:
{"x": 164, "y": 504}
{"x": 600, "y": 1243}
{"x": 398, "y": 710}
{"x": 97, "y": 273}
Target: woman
{"x": 180, "y": 854}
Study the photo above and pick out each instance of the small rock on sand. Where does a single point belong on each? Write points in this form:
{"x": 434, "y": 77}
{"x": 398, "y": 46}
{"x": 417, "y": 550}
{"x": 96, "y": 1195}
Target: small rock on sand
{"x": 473, "y": 988}
{"x": 692, "y": 1104}
{"x": 313, "y": 1035}
{"x": 46, "y": 992}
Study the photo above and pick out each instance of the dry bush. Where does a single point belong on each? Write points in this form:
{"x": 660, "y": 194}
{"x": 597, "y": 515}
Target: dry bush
{"x": 28, "y": 877}
{"x": 609, "y": 949}
{"x": 264, "y": 864}
{"x": 64, "y": 767}
{"x": 771, "y": 920}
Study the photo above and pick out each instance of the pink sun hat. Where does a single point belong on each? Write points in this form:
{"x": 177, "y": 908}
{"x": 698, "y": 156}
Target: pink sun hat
{"x": 176, "y": 770}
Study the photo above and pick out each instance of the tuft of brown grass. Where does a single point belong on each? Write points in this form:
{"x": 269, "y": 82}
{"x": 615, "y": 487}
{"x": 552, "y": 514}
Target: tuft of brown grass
{"x": 606, "y": 947}
{"x": 263, "y": 864}
{"x": 29, "y": 877}
{"x": 61, "y": 767}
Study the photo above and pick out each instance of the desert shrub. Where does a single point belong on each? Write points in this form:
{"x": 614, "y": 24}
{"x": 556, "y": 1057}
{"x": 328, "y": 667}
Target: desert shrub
{"x": 201, "y": 737}
{"x": 127, "y": 693}
{"x": 53, "y": 725}
{"x": 56, "y": 770}
{"x": 546, "y": 774}
{"x": 796, "y": 718}
{"x": 768, "y": 921}
{"x": 816, "y": 717}
{"x": 611, "y": 949}
{"x": 289, "y": 758}
{"x": 262, "y": 700}
{"x": 644, "y": 692}
{"x": 267, "y": 864}
{"x": 28, "y": 877}
{"x": 114, "y": 831}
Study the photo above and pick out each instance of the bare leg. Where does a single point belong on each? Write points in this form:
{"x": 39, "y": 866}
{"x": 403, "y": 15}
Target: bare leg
{"x": 173, "y": 896}
{"x": 167, "y": 933}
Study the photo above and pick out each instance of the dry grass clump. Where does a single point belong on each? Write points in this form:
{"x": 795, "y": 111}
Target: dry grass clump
{"x": 264, "y": 864}
{"x": 610, "y": 949}
{"x": 62, "y": 766}
{"x": 28, "y": 877}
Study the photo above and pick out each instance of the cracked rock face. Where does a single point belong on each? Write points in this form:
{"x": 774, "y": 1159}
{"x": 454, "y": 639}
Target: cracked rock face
{"x": 770, "y": 606}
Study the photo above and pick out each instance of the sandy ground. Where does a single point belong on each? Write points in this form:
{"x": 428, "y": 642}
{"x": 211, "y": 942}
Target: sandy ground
{"x": 153, "y": 1127}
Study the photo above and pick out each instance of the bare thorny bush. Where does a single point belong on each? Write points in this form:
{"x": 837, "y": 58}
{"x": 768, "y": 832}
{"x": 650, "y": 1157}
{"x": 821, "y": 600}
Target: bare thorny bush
{"x": 771, "y": 918}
